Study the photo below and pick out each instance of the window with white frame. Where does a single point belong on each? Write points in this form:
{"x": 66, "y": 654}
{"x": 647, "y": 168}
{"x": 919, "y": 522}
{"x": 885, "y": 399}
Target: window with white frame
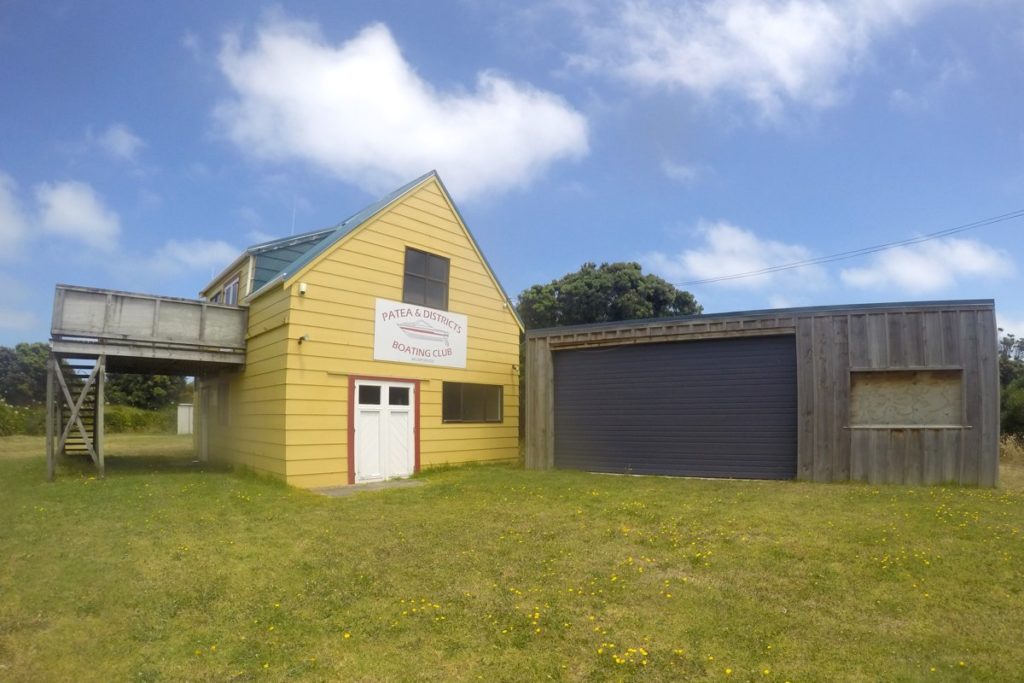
{"x": 231, "y": 292}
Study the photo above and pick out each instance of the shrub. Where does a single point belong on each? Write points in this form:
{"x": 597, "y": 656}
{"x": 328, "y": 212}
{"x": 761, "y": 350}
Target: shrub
{"x": 117, "y": 419}
{"x": 10, "y": 419}
{"x": 33, "y": 420}
{"x": 1011, "y": 449}
{"x": 121, "y": 419}
{"x": 1012, "y": 408}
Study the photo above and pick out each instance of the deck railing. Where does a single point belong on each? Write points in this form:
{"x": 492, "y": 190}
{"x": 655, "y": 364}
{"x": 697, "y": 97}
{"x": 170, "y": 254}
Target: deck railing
{"x": 112, "y": 317}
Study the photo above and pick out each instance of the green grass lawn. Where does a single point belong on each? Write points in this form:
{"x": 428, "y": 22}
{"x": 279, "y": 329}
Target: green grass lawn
{"x": 166, "y": 571}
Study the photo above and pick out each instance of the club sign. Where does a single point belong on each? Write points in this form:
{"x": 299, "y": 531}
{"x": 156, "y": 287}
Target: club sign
{"x": 407, "y": 333}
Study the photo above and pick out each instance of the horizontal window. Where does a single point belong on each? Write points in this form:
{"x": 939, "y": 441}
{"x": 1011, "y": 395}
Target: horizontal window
{"x": 906, "y": 398}
{"x": 471, "y": 402}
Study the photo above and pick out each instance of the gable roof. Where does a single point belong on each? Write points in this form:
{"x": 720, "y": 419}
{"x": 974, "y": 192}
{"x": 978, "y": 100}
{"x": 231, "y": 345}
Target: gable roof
{"x": 272, "y": 258}
{"x": 332, "y": 235}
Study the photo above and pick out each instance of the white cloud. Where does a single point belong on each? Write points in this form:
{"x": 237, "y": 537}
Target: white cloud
{"x": 361, "y": 112}
{"x": 772, "y": 53}
{"x": 196, "y": 255}
{"x": 930, "y": 266}
{"x": 730, "y": 250}
{"x": 190, "y": 42}
{"x": 73, "y": 209}
{"x": 780, "y": 301}
{"x": 949, "y": 74}
{"x": 13, "y": 223}
{"x": 257, "y": 236}
{"x": 120, "y": 142}
{"x": 683, "y": 174}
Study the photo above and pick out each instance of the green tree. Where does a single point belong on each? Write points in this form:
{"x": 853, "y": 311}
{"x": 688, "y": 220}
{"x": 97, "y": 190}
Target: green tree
{"x": 149, "y": 392}
{"x": 1011, "y": 382}
{"x": 605, "y": 293}
{"x": 1011, "y": 359}
{"x": 23, "y": 373}
{"x": 1011, "y": 407}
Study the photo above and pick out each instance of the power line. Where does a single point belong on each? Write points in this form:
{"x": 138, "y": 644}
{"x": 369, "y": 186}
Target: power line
{"x": 859, "y": 252}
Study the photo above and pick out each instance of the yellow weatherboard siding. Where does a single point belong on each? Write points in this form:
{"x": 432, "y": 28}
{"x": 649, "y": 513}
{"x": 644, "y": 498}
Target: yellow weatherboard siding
{"x": 289, "y": 408}
{"x": 254, "y": 435}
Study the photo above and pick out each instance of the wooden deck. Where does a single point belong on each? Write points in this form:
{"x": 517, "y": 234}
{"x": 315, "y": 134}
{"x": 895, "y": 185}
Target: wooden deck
{"x": 96, "y": 330}
{"x": 146, "y": 333}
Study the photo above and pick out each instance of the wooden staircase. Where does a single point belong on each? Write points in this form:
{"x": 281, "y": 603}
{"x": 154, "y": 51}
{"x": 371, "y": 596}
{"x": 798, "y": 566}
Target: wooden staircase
{"x": 74, "y": 444}
{"x": 74, "y": 416}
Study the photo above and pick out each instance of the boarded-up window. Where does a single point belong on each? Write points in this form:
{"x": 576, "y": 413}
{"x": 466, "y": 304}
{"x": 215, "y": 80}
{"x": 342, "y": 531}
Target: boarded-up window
{"x": 907, "y": 398}
{"x": 471, "y": 402}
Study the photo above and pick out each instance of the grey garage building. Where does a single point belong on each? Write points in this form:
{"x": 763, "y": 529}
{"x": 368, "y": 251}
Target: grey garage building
{"x": 883, "y": 393}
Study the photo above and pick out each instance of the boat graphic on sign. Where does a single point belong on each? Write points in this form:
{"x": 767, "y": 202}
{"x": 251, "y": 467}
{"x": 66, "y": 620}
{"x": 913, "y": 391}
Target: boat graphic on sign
{"x": 421, "y": 329}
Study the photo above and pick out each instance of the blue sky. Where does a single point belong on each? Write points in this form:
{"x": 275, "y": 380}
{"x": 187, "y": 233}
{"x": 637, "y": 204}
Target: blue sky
{"x": 143, "y": 145}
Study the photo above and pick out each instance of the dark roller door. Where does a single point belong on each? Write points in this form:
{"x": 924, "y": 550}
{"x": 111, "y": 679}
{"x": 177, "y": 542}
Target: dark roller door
{"x": 714, "y": 408}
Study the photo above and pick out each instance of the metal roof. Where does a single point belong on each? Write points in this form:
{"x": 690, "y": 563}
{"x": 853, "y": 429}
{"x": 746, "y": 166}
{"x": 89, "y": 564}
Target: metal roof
{"x": 332, "y": 235}
{"x": 801, "y": 311}
{"x": 289, "y": 241}
{"x": 344, "y": 228}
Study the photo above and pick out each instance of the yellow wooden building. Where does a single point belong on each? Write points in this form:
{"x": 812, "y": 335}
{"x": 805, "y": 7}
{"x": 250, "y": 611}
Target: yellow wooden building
{"x": 374, "y": 348}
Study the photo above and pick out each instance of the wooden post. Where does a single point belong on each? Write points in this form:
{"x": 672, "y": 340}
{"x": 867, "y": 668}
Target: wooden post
{"x": 101, "y": 380}
{"x": 51, "y": 456}
{"x": 203, "y": 394}
{"x": 58, "y": 410}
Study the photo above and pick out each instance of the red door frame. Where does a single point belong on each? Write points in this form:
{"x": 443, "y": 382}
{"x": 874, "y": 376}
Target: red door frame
{"x": 352, "y": 379}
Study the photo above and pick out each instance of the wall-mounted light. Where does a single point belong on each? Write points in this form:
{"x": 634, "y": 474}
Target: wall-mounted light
{"x": 302, "y": 289}
{"x": 303, "y": 338}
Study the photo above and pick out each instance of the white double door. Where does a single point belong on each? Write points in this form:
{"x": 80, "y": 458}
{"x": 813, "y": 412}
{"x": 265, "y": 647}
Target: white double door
{"x": 385, "y": 439}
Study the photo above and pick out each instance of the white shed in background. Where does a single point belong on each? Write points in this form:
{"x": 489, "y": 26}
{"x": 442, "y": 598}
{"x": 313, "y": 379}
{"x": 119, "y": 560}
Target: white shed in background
{"x": 185, "y": 421}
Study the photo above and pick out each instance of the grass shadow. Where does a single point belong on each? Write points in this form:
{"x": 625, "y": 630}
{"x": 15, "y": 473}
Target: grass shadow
{"x": 122, "y": 465}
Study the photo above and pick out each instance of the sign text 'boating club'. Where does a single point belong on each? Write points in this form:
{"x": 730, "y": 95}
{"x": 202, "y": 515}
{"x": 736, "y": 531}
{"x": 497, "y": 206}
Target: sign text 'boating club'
{"x": 416, "y": 334}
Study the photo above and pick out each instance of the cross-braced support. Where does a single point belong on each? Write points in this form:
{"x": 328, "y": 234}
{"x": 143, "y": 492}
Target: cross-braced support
{"x": 91, "y": 439}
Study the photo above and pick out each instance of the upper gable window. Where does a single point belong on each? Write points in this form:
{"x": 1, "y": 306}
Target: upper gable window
{"x": 231, "y": 292}
{"x": 426, "y": 279}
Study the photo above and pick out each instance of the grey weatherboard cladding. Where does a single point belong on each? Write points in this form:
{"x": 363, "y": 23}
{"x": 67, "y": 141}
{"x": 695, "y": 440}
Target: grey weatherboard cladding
{"x": 834, "y": 346}
{"x": 716, "y": 408}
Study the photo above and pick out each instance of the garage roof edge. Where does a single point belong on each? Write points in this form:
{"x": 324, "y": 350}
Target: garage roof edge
{"x": 802, "y": 311}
